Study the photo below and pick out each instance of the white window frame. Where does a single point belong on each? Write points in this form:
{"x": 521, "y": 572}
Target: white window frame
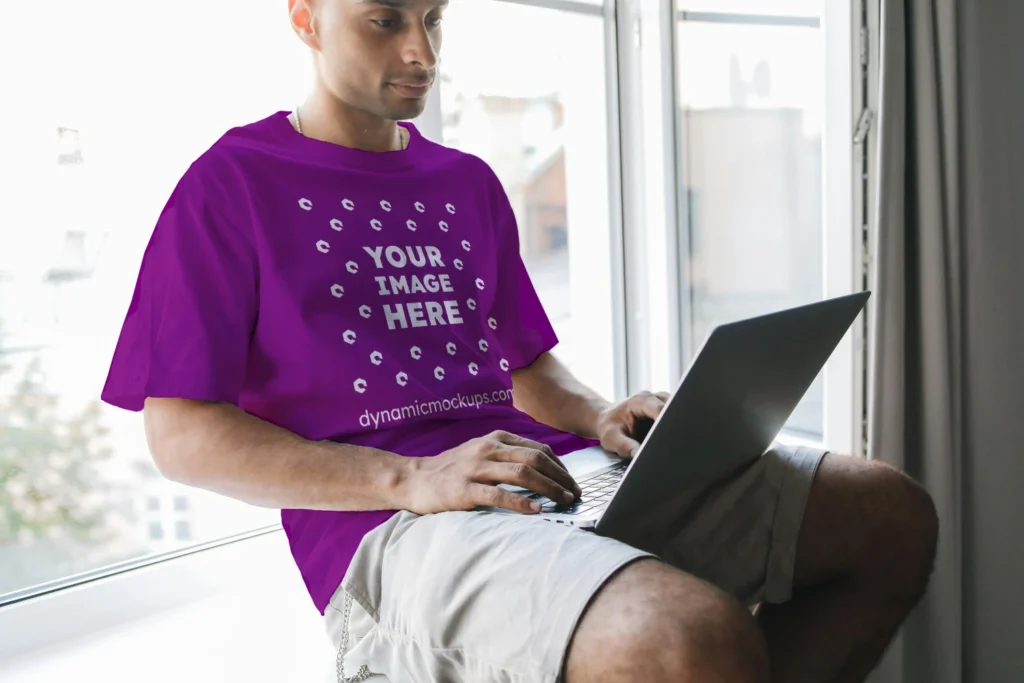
{"x": 843, "y": 254}
{"x": 851, "y": 49}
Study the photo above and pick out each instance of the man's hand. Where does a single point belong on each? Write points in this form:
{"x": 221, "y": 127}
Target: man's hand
{"x": 466, "y": 476}
{"x": 617, "y": 424}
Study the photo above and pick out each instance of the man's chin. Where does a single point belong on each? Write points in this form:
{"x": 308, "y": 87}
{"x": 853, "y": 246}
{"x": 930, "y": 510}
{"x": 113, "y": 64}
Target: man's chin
{"x": 402, "y": 108}
{"x": 405, "y": 111}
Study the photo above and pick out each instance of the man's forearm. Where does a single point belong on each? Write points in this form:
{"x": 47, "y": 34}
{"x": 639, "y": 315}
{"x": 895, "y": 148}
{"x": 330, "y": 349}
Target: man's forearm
{"x": 223, "y": 449}
{"x": 549, "y": 393}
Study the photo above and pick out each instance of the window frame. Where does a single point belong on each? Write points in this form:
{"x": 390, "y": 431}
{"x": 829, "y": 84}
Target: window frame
{"x": 844, "y": 212}
{"x": 843, "y": 254}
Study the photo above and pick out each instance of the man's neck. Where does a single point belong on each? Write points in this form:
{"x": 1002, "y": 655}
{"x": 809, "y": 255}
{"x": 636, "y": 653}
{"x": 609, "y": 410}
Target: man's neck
{"x": 330, "y": 120}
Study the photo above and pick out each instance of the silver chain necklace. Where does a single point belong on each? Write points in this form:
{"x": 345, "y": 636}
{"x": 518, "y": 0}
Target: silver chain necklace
{"x": 403, "y": 134}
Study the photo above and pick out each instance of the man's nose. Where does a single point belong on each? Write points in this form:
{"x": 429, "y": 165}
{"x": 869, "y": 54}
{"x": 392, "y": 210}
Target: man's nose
{"x": 419, "y": 48}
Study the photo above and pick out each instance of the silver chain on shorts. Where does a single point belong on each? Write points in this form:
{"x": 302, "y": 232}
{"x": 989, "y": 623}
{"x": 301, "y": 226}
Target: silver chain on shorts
{"x": 363, "y": 672}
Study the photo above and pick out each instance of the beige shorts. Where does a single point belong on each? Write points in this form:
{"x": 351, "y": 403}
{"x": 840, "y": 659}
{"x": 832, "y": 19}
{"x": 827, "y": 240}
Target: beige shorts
{"x": 488, "y": 598}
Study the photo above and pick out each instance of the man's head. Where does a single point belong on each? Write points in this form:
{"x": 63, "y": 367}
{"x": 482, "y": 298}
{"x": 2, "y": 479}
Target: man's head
{"x": 377, "y": 56}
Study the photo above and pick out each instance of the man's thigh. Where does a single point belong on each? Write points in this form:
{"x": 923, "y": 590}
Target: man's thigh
{"x": 469, "y": 596}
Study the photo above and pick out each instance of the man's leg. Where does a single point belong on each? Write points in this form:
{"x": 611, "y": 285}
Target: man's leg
{"x": 837, "y": 549}
{"x": 864, "y": 556}
{"x": 653, "y": 623}
{"x": 485, "y": 598}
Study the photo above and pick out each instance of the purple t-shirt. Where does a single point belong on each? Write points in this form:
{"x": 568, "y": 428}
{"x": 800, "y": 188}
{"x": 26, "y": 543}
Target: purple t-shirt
{"x": 376, "y": 299}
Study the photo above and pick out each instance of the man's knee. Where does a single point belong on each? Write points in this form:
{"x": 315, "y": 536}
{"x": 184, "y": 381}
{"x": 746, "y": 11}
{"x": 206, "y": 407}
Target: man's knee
{"x": 655, "y": 623}
{"x": 718, "y": 642}
{"x": 868, "y": 521}
{"x": 915, "y": 526}
{"x": 896, "y": 530}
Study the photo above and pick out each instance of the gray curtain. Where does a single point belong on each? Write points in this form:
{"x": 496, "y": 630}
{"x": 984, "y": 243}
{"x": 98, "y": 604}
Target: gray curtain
{"x": 948, "y": 345}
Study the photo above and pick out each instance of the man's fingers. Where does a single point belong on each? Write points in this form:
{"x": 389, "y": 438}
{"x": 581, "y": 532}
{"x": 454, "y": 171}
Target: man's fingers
{"x": 541, "y": 462}
{"x": 516, "y": 440}
{"x": 484, "y": 494}
{"x": 652, "y": 406}
{"x": 664, "y": 396}
{"x": 621, "y": 444}
{"x": 523, "y": 475}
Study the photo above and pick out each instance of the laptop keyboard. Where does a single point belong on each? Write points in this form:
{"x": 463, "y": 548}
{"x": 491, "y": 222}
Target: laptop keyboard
{"x": 597, "y": 491}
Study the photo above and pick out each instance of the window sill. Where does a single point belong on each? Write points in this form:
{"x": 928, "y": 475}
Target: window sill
{"x": 206, "y": 616}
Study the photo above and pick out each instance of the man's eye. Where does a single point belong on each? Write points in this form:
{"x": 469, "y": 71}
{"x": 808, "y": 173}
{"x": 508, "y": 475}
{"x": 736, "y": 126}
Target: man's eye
{"x": 437, "y": 21}
{"x": 383, "y": 23}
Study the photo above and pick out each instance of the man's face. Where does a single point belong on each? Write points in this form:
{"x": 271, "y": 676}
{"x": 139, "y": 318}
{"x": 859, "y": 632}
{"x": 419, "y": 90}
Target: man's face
{"x": 379, "y": 56}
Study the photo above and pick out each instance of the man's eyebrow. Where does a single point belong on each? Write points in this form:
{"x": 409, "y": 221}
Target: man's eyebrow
{"x": 398, "y": 4}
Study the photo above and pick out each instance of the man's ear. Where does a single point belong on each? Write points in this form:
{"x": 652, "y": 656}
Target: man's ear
{"x": 301, "y": 16}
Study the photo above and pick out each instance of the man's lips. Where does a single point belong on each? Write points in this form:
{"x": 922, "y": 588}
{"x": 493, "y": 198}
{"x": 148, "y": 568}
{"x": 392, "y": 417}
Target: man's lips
{"x": 412, "y": 88}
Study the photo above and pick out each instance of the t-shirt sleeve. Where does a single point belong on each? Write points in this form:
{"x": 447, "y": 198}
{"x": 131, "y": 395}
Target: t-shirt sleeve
{"x": 191, "y": 317}
{"x": 522, "y": 325}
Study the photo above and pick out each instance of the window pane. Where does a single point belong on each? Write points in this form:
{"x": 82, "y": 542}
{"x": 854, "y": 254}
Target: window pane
{"x": 752, "y": 108}
{"x": 537, "y": 116}
{"x": 182, "y": 530}
{"x": 108, "y": 122}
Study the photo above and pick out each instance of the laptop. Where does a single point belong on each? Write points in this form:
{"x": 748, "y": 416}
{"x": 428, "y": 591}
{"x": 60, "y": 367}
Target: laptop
{"x": 726, "y": 412}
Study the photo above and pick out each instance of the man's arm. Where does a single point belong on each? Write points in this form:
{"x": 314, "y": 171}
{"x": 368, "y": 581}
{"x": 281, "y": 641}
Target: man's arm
{"x": 220, "y": 448}
{"x": 216, "y": 446}
{"x": 549, "y": 393}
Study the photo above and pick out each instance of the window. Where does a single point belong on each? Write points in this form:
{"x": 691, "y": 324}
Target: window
{"x": 537, "y": 115}
{"x": 182, "y": 530}
{"x": 89, "y": 165}
{"x": 689, "y": 173}
{"x": 69, "y": 146}
{"x": 752, "y": 109}
{"x": 86, "y": 165}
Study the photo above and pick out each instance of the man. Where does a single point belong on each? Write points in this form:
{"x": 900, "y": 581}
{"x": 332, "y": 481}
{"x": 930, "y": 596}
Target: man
{"x": 332, "y": 318}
